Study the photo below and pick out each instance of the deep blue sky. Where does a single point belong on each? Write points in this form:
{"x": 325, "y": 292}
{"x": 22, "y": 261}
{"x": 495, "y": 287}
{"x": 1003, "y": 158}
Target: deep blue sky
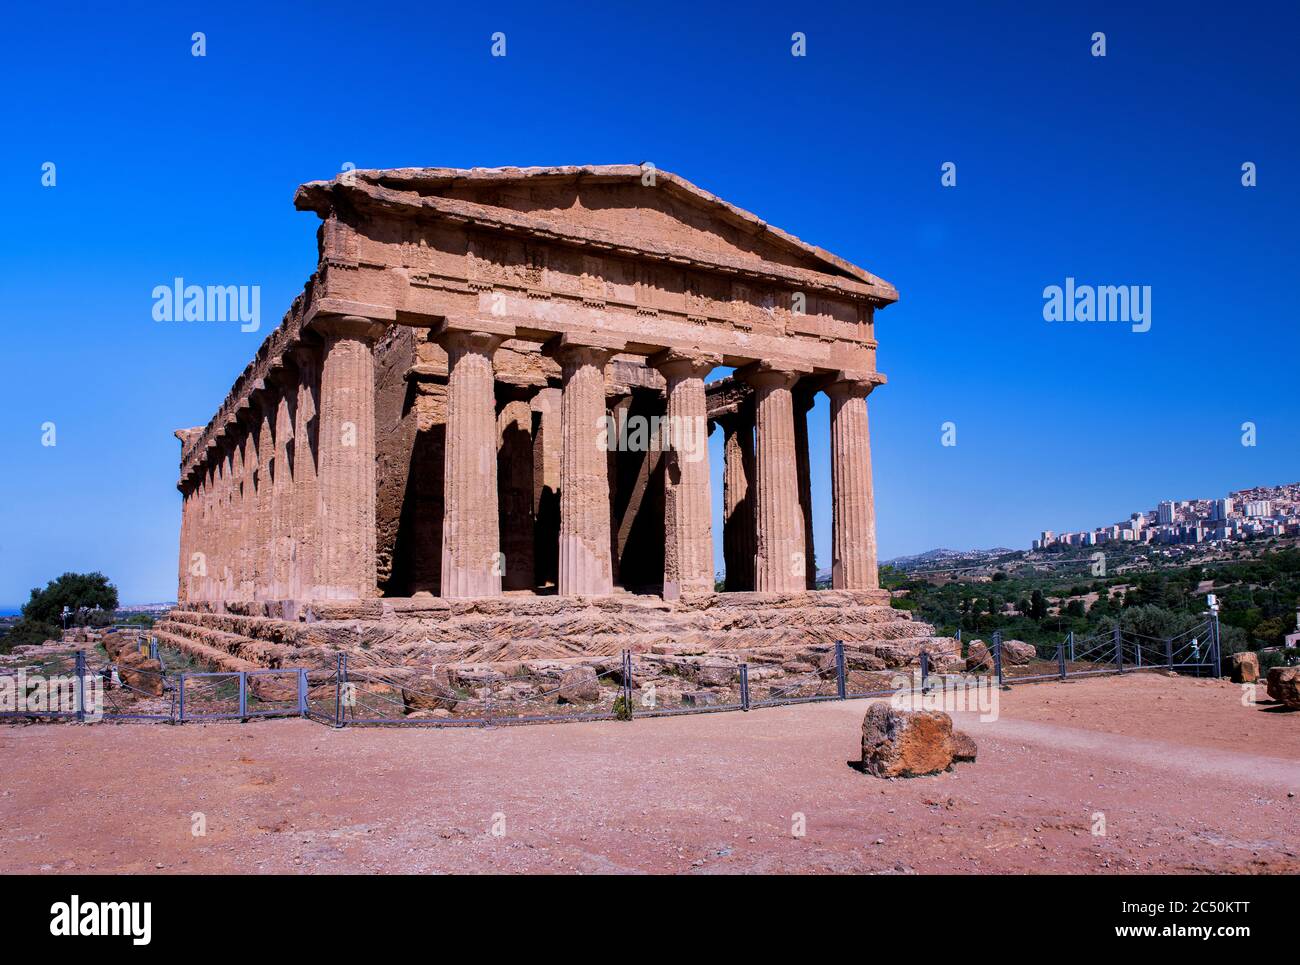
{"x": 1117, "y": 170}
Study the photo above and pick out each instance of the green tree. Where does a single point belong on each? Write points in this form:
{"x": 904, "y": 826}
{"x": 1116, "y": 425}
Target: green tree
{"x": 88, "y": 597}
{"x": 1037, "y": 606}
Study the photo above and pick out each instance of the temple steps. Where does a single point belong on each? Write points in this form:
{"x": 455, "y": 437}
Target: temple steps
{"x": 514, "y": 628}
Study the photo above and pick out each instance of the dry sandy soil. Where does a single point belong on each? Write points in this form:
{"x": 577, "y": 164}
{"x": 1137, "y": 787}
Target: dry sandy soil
{"x": 1188, "y": 779}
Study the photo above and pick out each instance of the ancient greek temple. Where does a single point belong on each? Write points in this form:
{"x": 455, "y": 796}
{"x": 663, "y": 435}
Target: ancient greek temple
{"x": 497, "y": 382}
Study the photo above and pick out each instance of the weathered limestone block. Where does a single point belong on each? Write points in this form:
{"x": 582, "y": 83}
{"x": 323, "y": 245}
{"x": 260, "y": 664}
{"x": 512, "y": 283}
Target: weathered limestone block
{"x": 1245, "y": 667}
{"x": 1284, "y": 686}
{"x": 978, "y": 656}
{"x": 579, "y": 686}
{"x": 1017, "y": 652}
{"x": 906, "y": 743}
{"x": 139, "y": 672}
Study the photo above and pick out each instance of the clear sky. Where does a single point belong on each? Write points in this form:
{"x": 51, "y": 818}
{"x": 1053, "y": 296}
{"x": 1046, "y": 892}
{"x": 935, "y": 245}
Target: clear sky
{"x": 1116, "y": 170}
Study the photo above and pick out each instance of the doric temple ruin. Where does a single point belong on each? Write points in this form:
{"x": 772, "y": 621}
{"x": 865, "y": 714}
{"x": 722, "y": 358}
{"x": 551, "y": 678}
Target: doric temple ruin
{"x": 480, "y": 434}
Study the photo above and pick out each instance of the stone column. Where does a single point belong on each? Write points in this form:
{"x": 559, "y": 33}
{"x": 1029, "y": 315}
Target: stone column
{"x": 546, "y": 486}
{"x": 515, "y": 474}
{"x": 688, "y": 505}
{"x": 803, "y": 401}
{"x": 738, "y": 538}
{"x": 346, "y": 458}
{"x": 227, "y": 522}
{"x": 585, "y": 567}
{"x": 203, "y": 574}
{"x": 779, "y": 562}
{"x": 235, "y": 537}
{"x": 262, "y": 557}
{"x": 285, "y": 381}
{"x": 186, "y": 489}
{"x": 305, "y": 493}
{"x": 853, "y": 544}
{"x": 471, "y": 547}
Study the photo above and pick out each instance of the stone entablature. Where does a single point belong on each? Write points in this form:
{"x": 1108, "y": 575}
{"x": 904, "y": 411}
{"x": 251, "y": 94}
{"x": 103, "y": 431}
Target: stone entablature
{"x": 544, "y": 300}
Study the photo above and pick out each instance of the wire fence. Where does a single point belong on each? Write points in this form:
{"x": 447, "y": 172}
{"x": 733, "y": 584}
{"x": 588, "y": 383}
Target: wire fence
{"x": 361, "y": 689}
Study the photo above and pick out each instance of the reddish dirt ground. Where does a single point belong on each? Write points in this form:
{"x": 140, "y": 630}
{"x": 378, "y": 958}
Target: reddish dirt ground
{"x": 1188, "y": 779}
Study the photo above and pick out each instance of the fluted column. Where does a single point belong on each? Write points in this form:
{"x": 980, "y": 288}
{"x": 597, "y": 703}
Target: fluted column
{"x": 779, "y": 565}
{"x": 688, "y": 510}
{"x": 803, "y": 401}
{"x": 346, "y": 511}
{"x": 245, "y": 519}
{"x": 204, "y": 574}
{"x": 853, "y": 545}
{"x": 304, "y": 525}
{"x": 228, "y": 522}
{"x": 515, "y": 471}
{"x": 285, "y": 382}
{"x": 738, "y": 538}
{"x": 262, "y": 532}
{"x": 471, "y": 546}
{"x": 585, "y": 567}
{"x": 187, "y": 506}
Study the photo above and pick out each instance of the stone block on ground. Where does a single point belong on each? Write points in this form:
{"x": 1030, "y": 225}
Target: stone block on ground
{"x": 579, "y": 686}
{"x": 906, "y": 743}
{"x": 978, "y": 656}
{"x": 1245, "y": 667}
{"x": 1017, "y": 652}
{"x": 139, "y": 672}
{"x": 1284, "y": 685}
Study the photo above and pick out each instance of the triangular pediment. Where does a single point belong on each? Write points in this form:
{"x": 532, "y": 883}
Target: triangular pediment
{"x": 610, "y": 201}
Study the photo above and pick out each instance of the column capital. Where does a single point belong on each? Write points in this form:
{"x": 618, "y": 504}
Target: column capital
{"x": 776, "y": 375}
{"x": 853, "y": 385}
{"x": 471, "y": 333}
{"x": 592, "y": 347}
{"x": 356, "y": 327}
{"x": 304, "y": 354}
{"x": 684, "y": 362}
{"x": 283, "y": 375}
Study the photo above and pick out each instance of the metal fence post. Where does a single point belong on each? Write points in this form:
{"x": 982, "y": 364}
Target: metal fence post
{"x": 627, "y": 683}
{"x": 959, "y": 636}
{"x": 302, "y": 691}
{"x": 182, "y": 698}
{"x": 1071, "y": 646}
{"x": 81, "y": 686}
{"x": 153, "y": 648}
{"x": 744, "y": 686}
{"x": 841, "y": 679}
{"x": 1169, "y": 652}
{"x": 1060, "y": 657}
{"x": 1119, "y": 647}
{"x": 338, "y": 691}
{"x": 925, "y": 671}
{"x": 1218, "y": 655}
{"x": 997, "y": 656}
{"x": 243, "y": 696}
